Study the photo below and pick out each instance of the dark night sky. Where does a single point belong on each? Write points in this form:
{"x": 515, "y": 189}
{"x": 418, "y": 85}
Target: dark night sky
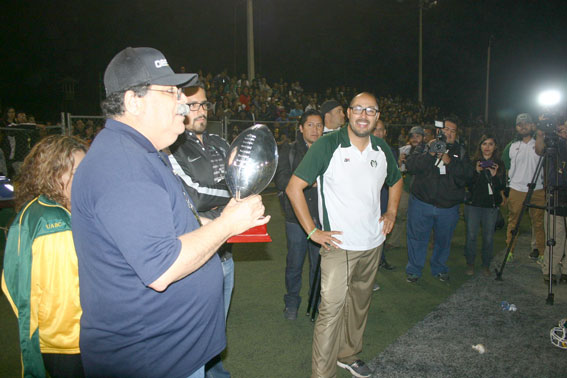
{"x": 370, "y": 45}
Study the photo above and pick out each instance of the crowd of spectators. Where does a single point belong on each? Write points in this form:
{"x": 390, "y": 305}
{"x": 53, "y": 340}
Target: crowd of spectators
{"x": 243, "y": 102}
{"x": 19, "y": 132}
{"x": 281, "y": 103}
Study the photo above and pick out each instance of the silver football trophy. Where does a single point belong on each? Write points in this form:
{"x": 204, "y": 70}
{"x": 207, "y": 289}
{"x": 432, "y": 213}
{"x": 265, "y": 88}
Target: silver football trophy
{"x": 251, "y": 165}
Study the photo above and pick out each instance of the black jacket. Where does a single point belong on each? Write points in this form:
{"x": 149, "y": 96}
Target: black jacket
{"x": 432, "y": 187}
{"x": 479, "y": 194}
{"x": 192, "y": 162}
{"x": 556, "y": 177}
{"x": 290, "y": 155}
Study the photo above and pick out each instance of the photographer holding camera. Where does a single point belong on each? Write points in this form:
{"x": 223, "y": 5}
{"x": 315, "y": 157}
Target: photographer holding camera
{"x": 483, "y": 201}
{"x": 555, "y": 178}
{"x": 441, "y": 171}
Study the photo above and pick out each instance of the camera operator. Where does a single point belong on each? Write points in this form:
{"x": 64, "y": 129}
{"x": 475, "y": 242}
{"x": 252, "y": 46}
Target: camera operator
{"x": 558, "y": 139}
{"x": 521, "y": 161}
{"x": 436, "y": 193}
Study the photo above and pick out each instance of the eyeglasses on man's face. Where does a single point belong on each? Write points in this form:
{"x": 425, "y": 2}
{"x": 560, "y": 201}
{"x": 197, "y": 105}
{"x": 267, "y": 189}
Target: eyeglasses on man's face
{"x": 371, "y": 111}
{"x": 194, "y": 106}
{"x": 177, "y": 92}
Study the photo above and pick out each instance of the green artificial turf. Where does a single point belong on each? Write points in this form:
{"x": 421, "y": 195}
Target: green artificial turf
{"x": 261, "y": 343}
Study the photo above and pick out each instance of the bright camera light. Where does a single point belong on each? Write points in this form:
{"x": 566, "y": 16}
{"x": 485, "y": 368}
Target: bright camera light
{"x": 549, "y": 98}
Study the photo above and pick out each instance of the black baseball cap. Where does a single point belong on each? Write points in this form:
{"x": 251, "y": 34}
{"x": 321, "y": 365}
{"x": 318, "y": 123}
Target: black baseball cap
{"x": 142, "y": 66}
{"x": 327, "y": 106}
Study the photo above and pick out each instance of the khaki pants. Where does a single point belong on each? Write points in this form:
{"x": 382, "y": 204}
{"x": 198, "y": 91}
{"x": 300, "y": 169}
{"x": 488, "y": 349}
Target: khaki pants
{"x": 347, "y": 278}
{"x": 515, "y": 202}
{"x": 559, "y": 259}
{"x": 398, "y": 234}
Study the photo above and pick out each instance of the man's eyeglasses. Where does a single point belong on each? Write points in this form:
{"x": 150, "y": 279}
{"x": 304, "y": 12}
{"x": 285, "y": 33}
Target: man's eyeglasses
{"x": 359, "y": 109}
{"x": 173, "y": 91}
{"x": 194, "y": 106}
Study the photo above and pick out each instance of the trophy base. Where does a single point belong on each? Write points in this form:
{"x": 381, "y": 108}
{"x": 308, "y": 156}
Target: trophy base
{"x": 258, "y": 234}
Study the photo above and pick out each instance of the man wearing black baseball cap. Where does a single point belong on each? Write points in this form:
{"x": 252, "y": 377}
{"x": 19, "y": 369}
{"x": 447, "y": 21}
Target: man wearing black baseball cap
{"x": 151, "y": 282}
{"x": 333, "y": 115}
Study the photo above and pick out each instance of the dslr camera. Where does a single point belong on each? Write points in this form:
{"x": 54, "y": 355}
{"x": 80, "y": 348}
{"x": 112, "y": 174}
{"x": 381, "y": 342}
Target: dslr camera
{"x": 484, "y": 164}
{"x": 439, "y": 145}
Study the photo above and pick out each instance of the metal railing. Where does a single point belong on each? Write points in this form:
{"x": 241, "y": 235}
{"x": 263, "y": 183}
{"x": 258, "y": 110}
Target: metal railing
{"x": 229, "y": 128}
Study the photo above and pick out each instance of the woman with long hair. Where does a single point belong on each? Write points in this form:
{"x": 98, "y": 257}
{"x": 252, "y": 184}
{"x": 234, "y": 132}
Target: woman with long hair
{"x": 40, "y": 277}
{"x": 483, "y": 199}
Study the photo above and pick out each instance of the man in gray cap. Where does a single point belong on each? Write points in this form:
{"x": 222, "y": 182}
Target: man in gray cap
{"x": 333, "y": 115}
{"x": 521, "y": 160}
{"x": 151, "y": 282}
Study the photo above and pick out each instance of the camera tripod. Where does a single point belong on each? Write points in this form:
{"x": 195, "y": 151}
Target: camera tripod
{"x": 551, "y": 159}
{"x": 315, "y": 292}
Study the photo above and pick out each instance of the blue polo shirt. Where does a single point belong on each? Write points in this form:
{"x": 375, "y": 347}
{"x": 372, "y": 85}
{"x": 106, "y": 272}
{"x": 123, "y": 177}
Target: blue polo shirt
{"x": 128, "y": 212}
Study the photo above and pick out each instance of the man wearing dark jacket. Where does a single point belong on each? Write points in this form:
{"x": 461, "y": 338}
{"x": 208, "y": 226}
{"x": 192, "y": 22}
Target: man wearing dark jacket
{"x": 437, "y": 191}
{"x": 290, "y": 155}
{"x": 556, "y": 214}
{"x": 199, "y": 159}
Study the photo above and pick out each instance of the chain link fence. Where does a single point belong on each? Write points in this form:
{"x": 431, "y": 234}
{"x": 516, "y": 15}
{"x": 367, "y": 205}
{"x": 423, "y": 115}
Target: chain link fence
{"x": 17, "y": 140}
{"x": 286, "y": 131}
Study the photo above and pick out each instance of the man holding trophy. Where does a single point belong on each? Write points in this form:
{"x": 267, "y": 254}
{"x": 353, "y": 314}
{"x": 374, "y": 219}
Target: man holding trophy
{"x": 151, "y": 282}
{"x": 350, "y": 167}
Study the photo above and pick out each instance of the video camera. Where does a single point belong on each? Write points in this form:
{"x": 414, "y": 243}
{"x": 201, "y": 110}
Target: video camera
{"x": 548, "y": 124}
{"x": 549, "y": 101}
{"x": 439, "y": 145}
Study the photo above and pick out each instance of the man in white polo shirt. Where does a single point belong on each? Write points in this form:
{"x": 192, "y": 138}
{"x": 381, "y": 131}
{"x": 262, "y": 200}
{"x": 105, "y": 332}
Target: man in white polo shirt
{"x": 350, "y": 167}
{"x": 521, "y": 161}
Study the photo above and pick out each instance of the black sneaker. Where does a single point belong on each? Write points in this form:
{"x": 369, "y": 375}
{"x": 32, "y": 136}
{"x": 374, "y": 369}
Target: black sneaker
{"x": 290, "y": 313}
{"x": 534, "y": 254}
{"x": 358, "y": 368}
{"x": 443, "y": 277}
{"x": 412, "y": 278}
{"x": 376, "y": 287}
{"x": 384, "y": 265}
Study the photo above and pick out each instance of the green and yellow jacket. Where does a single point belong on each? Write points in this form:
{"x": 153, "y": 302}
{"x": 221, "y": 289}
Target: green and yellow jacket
{"x": 40, "y": 280}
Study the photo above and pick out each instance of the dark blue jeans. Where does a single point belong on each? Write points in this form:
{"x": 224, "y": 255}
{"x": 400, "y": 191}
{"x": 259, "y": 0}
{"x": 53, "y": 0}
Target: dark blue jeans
{"x": 477, "y": 217}
{"x": 297, "y": 247}
{"x": 422, "y": 219}
{"x": 214, "y": 368}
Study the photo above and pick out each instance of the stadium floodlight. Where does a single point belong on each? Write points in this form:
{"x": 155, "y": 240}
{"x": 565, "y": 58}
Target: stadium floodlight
{"x": 549, "y": 98}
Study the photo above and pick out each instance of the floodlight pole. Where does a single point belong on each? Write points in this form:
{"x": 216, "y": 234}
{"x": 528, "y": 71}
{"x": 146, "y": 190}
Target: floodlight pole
{"x": 487, "y": 80}
{"x": 250, "y": 38}
{"x": 428, "y": 4}
{"x": 420, "y": 74}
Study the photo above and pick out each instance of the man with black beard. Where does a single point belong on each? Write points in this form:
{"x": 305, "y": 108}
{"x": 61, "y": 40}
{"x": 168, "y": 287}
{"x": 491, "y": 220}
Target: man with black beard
{"x": 521, "y": 160}
{"x": 199, "y": 159}
{"x": 350, "y": 167}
